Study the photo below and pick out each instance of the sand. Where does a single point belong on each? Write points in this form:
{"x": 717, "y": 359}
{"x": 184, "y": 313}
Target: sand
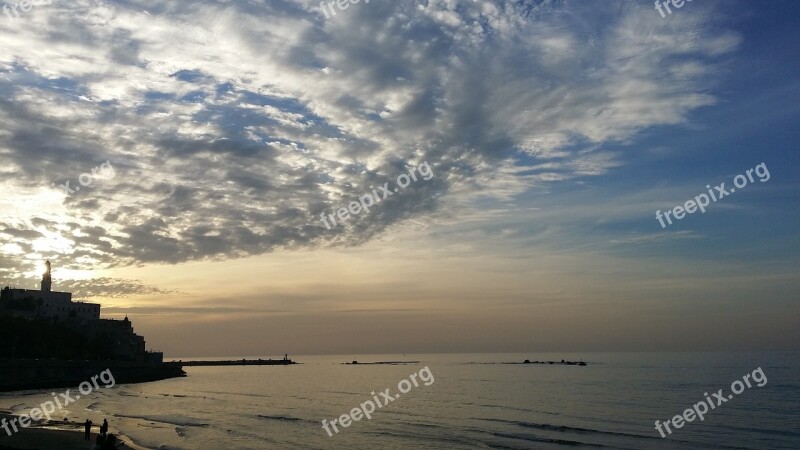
{"x": 52, "y": 436}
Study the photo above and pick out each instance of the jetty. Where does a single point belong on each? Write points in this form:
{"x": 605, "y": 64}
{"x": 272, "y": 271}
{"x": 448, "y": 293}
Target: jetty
{"x": 240, "y": 362}
{"x": 529, "y": 362}
{"x": 562, "y": 363}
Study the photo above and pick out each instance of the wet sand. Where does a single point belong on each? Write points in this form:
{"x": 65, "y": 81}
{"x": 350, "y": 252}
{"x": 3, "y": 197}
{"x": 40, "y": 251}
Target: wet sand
{"x": 52, "y": 436}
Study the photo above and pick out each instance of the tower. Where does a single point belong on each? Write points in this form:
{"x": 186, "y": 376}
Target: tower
{"x": 46, "y": 279}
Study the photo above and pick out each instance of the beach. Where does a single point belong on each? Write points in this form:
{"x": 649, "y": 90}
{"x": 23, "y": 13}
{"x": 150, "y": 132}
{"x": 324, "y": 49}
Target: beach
{"x": 50, "y": 436}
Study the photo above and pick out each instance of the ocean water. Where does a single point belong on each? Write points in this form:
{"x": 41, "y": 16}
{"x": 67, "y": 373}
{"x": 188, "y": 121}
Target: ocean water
{"x": 472, "y": 402}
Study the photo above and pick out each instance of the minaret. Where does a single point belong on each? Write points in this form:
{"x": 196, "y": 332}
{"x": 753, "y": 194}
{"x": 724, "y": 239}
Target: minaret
{"x": 46, "y": 280}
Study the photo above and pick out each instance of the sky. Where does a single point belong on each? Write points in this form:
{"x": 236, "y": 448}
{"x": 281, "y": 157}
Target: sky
{"x": 204, "y": 141}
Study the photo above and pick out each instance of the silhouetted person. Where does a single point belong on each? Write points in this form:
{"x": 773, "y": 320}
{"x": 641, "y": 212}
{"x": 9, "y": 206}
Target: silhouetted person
{"x": 98, "y": 444}
{"x": 104, "y": 427}
{"x": 87, "y": 428}
{"x": 110, "y": 443}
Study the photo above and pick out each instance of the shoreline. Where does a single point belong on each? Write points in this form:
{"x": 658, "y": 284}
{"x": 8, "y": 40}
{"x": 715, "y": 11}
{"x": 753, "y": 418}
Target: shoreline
{"x": 56, "y": 435}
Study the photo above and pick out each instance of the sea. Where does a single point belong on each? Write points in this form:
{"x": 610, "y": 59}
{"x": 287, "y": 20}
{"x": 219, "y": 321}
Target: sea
{"x": 487, "y": 401}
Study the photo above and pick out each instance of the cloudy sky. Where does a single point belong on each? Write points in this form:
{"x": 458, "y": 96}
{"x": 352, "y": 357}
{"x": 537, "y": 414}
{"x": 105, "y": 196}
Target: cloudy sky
{"x": 554, "y": 130}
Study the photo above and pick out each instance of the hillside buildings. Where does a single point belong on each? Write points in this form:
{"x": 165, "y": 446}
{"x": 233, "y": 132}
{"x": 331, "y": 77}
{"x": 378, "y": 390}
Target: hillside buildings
{"x": 113, "y": 339}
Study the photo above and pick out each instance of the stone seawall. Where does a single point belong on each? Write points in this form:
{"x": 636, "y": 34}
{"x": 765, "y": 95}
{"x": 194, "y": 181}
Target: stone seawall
{"x": 18, "y": 375}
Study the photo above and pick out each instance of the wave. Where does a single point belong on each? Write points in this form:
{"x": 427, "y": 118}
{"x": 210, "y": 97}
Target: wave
{"x": 532, "y": 438}
{"x": 127, "y": 394}
{"x": 426, "y": 437}
{"x": 18, "y": 407}
{"x": 285, "y": 419}
{"x": 566, "y": 429}
{"x": 175, "y": 421}
{"x": 92, "y": 407}
{"x": 580, "y": 431}
{"x": 239, "y": 394}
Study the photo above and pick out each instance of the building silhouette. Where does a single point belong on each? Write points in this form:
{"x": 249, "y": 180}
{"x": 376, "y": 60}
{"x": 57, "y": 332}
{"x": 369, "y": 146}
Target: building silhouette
{"x": 45, "y": 304}
{"x": 106, "y": 338}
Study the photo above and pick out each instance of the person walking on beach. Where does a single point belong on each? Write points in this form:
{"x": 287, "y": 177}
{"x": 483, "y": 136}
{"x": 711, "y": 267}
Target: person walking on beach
{"x": 104, "y": 428}
{"x": 87, "y": 427}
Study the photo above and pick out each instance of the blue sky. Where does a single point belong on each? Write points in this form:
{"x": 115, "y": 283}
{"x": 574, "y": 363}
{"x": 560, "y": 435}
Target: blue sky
{"x": 555, "y": 130}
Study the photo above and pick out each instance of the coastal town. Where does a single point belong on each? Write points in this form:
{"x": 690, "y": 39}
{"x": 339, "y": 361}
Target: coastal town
{"x": 54, "y": 341}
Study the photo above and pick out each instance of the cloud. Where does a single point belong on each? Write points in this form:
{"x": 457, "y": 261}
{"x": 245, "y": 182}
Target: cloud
{"x": 232, "y": 126}
{"x": 108, "y": 288}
